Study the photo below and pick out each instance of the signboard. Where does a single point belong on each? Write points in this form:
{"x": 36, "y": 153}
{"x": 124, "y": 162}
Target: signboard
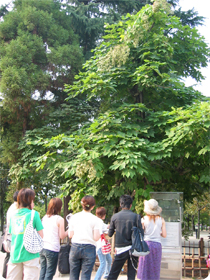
{"x": 173, "y": 235}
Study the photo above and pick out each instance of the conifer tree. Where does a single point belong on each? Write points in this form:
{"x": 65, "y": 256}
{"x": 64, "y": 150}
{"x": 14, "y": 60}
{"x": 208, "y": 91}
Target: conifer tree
{"x": 39, "y": 53}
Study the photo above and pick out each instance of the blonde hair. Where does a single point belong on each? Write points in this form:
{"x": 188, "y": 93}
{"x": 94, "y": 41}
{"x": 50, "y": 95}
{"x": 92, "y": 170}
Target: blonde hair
{"x": 152, "y": 217}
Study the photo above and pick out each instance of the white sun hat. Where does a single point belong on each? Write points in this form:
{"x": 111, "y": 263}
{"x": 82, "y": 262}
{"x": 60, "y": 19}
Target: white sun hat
{"x": 151, "y": 207}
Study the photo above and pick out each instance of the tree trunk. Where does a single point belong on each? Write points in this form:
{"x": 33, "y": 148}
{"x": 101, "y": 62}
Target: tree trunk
{"x": 45, "y": 202}
{"x": 188, "y": 222}
{"x": 193, "y": 224}
{"x": 66, "y": 210}
{"x": 2, "y": 214}
{"x": 199, "y": 224}
{"x": 3, "y": 189}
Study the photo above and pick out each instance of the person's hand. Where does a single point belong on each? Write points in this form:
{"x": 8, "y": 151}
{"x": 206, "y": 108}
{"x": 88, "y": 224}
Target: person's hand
{"x": 108, "y": 225}
{"x": 6, "y": 248}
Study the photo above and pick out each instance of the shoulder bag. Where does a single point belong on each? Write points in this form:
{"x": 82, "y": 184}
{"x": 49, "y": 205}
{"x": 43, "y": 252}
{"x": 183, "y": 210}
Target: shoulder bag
{"x": 32, "y": 241}
{"x": 106, "y": 246}
{"x": 139, "y": 246}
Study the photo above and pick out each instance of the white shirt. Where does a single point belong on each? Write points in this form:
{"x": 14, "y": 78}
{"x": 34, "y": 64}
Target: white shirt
{"x": 152, "y": 230}
{"x": 11, "y": 211}
{"x": 83, "y": 224}
{"x": 51, "y": 233}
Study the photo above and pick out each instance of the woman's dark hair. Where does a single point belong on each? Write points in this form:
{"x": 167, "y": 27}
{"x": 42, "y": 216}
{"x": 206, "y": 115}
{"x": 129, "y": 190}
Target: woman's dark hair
{"x": 100, "y": 212}
{"x": 125, "y": 201}
{"x": 25, "y": 197}
{"x": 88, "y": 202}
{"x": 15, "y": 195}
{"x": 54, "y": 206}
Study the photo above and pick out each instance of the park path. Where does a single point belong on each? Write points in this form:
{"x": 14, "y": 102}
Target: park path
{"x": 57, "y": 276}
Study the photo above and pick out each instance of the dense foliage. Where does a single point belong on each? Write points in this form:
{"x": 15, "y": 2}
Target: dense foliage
{"x": 138, "y": 143}
{"x": 130, "y": 125}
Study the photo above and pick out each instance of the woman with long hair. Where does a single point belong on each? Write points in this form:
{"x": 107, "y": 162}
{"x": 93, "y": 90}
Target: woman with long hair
{"x": 53, "y": 231}
{"x": 85, "y": 230}
{"x": 21, "y": 261}
{"x": 154, "y": 227}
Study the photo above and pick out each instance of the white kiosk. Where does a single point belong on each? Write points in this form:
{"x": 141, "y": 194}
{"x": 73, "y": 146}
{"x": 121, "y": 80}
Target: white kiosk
{"x": 172, "y": 205}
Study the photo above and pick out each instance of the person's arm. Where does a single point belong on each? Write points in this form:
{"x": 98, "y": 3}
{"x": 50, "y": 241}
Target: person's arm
{"x": 163, "y": 233}
{"x": 70, "y": 233}
{"x": 5, "y": 239}
{"x": 37, "y": 224}
{"x": 142, "y": 223}
{"x": 111, "y": 228}
{"x": 62, "y": 232}
{"x": 96, "y": 234}
{"x": 6, "y": 232}
{"x": 71, "y": 228}
{"x": 40, "y": 232}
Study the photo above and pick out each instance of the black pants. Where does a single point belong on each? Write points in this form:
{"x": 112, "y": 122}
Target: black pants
{"x": 4, "y": 274}
{"x": 118, "y": 264}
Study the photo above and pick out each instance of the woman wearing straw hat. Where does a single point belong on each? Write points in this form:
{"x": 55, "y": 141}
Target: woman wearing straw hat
{"x": 154, "y": 227}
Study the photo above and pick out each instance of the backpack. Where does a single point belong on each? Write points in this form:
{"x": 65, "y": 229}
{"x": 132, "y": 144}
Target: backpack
{"x": 139, "y": 246}
{"x": 63, "y": 259}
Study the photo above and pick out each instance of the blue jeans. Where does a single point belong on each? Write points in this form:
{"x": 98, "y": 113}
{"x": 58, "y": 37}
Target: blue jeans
{"x": 105, "y": 265}
{"x": 48, "y": 261}
{"x": 82, "y": 258}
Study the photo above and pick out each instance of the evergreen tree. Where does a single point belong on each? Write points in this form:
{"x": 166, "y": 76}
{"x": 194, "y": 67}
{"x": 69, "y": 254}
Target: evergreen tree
{"x": 39, "y": 53}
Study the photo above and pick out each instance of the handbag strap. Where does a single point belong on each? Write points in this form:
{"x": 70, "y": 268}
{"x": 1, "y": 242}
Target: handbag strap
{"x": 137, "y": 219}
{"x": 137, "y": 225}
{"x": 32, "y": 214}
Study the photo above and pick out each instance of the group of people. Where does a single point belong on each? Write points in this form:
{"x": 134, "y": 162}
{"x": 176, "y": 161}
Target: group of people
{"x": 85, "y": 230}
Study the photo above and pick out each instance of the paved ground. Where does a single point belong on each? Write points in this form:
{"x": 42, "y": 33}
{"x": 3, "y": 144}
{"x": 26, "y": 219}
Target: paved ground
{"x": 204, "y": 234}
{"x": 66, "y": 277}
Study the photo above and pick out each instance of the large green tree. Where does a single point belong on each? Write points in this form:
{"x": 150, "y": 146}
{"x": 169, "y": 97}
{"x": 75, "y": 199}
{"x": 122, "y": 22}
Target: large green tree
{"x": 116, "y": 154}
{"x": 138, "y": 143}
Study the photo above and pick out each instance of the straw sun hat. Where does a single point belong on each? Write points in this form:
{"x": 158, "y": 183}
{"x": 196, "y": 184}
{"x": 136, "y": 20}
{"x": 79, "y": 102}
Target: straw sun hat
{"x": 151, "y": 207}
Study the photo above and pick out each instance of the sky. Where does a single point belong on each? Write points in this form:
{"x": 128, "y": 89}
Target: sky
{"x": 201, "y": 6}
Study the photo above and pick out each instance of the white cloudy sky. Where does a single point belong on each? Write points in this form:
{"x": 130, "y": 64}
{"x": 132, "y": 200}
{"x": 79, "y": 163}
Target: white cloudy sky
{"x": 202, "y": 7}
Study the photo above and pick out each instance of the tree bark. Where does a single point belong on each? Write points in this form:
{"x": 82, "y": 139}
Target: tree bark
{"x": 66, "y": 210}
{"x": 198, "y": 224}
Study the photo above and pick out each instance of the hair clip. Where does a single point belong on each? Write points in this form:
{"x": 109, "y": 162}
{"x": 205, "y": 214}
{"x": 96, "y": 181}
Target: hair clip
{"x": 87, "y": 205}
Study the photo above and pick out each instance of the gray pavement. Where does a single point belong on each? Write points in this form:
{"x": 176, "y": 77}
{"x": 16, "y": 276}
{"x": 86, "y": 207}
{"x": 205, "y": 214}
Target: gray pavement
{"x": 204, "y": 235}
{"x": 65, "y": 277}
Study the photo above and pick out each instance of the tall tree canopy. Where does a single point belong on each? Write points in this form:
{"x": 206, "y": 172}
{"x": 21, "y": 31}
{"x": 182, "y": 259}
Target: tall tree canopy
{"x": 138, "y": 143}
{"x": 142, "y": 59}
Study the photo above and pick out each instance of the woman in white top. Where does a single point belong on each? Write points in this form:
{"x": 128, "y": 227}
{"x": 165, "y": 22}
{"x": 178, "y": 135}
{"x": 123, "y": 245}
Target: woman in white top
{"x": 154, "y": 227}
{"x": 84, "y": 229}
{"x": 53, "y": 231}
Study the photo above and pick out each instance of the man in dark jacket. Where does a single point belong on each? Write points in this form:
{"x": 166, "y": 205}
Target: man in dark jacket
{"x": 121, "y": 224}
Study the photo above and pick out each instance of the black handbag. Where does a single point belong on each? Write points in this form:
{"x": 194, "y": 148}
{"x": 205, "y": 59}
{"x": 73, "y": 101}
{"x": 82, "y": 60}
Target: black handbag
{"x": 63, "y": 259}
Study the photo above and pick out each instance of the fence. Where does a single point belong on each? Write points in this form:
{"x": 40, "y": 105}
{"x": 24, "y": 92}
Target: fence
{"x": 194, "y": 255}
